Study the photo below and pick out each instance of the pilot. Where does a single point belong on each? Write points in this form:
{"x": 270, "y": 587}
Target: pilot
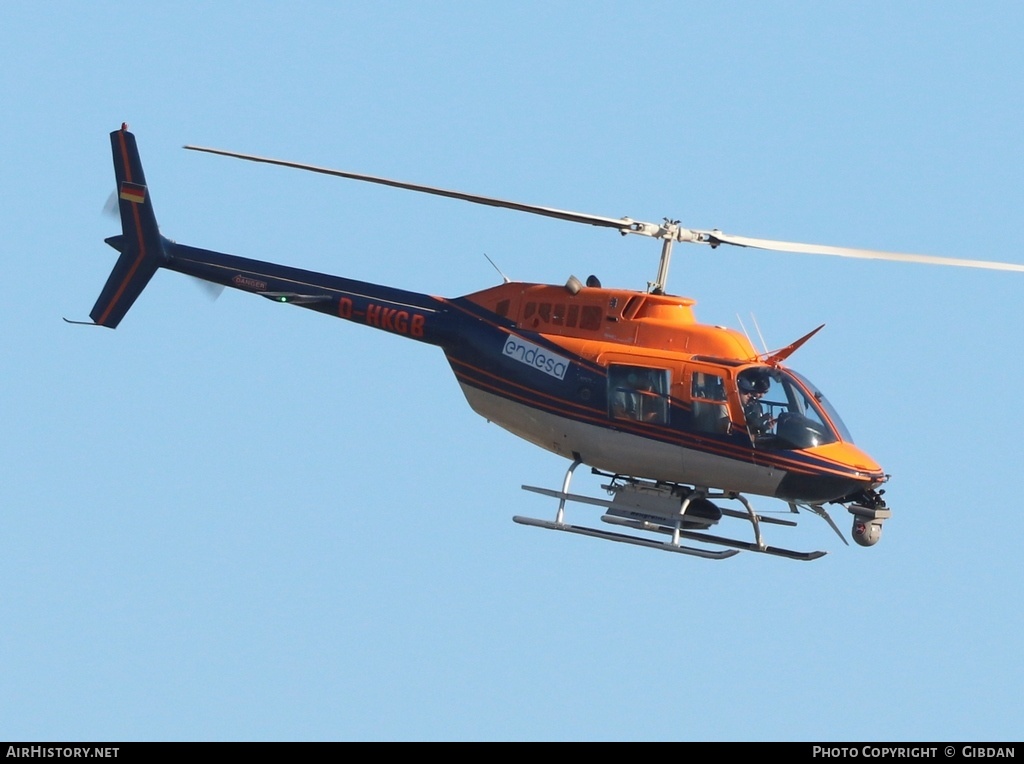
{"x": 753, "y": 385}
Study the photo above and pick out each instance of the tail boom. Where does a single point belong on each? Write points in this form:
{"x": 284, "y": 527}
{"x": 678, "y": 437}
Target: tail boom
{"x": 410, "y": 314}
{"x": 143, "y": 250}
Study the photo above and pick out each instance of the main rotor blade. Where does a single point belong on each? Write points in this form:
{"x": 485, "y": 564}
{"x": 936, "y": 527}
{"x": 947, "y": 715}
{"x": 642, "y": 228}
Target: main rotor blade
{"x": 669, "y": 231}
{"x": 717, "y": 237}
{"x": 622, "y": 224}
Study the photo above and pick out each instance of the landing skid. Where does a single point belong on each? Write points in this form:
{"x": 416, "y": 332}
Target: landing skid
{"x": 625, "y": 538}
{"x": 678, "y": 511}
{"x": 737, "y": 545}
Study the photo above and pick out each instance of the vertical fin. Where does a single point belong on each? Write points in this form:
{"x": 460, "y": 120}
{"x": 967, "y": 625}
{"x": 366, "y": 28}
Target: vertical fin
{"x": 141, "y": 245}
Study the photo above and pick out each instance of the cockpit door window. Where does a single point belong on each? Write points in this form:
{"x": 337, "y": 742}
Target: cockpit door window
{"x": 708, "y": 401}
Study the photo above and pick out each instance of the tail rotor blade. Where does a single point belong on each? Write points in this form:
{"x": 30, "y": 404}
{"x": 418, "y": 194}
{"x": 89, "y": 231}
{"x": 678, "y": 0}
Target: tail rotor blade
{"x": 211, "y": 289}
{"x": 110, "y": 206}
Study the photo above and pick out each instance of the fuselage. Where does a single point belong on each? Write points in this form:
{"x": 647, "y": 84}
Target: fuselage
{"x": 632, "y": 384}
{"x": 627, "y": 382}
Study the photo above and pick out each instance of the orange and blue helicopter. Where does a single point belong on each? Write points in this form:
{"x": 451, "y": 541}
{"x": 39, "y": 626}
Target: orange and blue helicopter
{"x": 681, "y": 418}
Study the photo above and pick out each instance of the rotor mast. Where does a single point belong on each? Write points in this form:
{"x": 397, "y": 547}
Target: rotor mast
{"x": 669, "y": 232}
{"x": 658, "y": 286}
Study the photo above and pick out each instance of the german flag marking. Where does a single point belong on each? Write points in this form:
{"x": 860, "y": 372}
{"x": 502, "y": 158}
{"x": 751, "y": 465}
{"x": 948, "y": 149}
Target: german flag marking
{"x": 132, "y": 192}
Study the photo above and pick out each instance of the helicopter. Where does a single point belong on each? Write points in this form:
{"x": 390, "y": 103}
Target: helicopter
{"x": 685, "y": 421}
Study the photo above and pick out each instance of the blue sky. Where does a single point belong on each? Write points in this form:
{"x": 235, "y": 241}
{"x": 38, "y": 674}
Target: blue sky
{"x": 230, "y": 520}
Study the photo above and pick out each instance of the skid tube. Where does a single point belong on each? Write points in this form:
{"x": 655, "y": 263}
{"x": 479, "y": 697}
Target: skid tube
{"x": 674, "y": 530}
{"x": 625, "y": 538}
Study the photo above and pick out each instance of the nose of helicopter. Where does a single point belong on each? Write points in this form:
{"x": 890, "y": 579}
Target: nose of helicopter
{"x": 837, "y": 470}
{"x": 852, "y": 458}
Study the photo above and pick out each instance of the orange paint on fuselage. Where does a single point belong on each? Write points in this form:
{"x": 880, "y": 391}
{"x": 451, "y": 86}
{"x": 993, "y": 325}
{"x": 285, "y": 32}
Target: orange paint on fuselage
{"x": 848, "y": 455}
{"x": 626, "y": 327}
{"x": 619, "y": 320}
{"x": 619, "y": 326}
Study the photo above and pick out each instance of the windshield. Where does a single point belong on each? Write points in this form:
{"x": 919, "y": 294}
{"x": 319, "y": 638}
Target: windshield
{"x": 830, "y": 412}
{"x": 783, "y": 410}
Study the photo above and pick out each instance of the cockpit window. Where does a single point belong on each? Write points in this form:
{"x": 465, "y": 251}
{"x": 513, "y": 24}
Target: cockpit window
{"x": 784, "y": 411}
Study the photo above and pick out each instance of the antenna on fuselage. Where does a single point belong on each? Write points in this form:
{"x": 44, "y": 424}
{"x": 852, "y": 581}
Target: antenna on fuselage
{"x": 764, "y": 345}
{"x": 505, "y": 279}
{"x": 744, "y": 328}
